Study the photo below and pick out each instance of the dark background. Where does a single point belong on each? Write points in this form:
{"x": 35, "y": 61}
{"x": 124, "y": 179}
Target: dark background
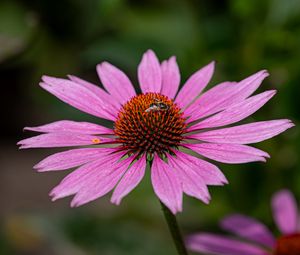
{"x": 71, "y": 37}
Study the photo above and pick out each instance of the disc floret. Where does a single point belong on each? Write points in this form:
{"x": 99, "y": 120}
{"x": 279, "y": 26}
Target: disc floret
{"x": 288, "y": 245}
{"x": 150, "y": 123}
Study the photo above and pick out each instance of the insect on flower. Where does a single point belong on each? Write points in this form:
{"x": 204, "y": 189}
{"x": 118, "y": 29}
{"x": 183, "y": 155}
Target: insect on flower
{"x": 157, "y": 106}
{"x": 177, "y": 128}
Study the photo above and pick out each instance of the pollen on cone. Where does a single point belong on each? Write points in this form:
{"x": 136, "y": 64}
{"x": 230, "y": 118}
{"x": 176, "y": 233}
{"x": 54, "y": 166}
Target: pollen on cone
{"x": 96, "y": 140}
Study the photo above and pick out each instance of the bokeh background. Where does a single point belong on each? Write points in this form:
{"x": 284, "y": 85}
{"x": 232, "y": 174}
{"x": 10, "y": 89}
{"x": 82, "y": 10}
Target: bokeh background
{"x": 70, "y": 37}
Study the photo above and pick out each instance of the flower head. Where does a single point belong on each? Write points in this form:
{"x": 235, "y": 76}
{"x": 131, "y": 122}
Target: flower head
{"x": 159, "y": 125}
{"x": 254, "y": 237}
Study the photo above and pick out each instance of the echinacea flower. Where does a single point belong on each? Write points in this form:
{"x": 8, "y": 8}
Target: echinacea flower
{"x": 253, "y": 237}
{"x": 159, "y": 126}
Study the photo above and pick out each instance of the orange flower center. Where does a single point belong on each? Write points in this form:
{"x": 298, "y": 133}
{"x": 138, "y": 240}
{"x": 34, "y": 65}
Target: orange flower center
{"x": 288, "y": 245}
{"x": 150, "y": 123}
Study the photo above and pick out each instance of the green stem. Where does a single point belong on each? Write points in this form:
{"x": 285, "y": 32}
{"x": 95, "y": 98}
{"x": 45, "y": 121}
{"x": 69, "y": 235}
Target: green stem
{"x": 174, "y": 229}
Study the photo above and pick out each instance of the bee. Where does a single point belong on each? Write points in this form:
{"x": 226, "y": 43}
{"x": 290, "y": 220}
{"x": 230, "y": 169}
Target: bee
{"x": 157, "y": 106}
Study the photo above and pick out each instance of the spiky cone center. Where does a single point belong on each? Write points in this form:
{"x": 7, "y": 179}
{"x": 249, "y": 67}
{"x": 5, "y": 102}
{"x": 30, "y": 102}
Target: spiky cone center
{"x": 150, "y": 123}
{"x": 288, "y": 245}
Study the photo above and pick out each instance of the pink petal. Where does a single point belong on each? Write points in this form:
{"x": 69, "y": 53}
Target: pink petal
{"x": 212, "y": 101}
{"x": 248, "y": 85}
{"x": 71, "y": 184}
{"x": 102, "y": 94}
{"x": 247, "y": 133}
{"x": 116, "y": 82}
{"x": 223, "y": 95}
{"x": 285, "y": 211}
{"x": 194, "y": 85}
{"x": 236, "y": 112}
{"x": 222, "y": 245}
{"x": 79, "y": 97}
{"x": 130, "y": 180}
{"x": 170, "y": 77}
{"x": 229, "y": 153}
{"x": 149, "y": 73}
{"x": 101, "y": 183}
{"x": 72, "y": 127}
{"x": 79, "y": 178}
{"x": 192, "y": 182}
{"x": 210, "y": 173}
{"x": 61, "y": 140}
{"x": 71, "y": 158}
{"x": 249, "y": 228}
{"x": 166, "y": 185}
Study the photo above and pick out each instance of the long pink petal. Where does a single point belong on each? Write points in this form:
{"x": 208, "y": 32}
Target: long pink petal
{"x": 210, "y": 173}
{"x": 194, "y": 85}
{"x": 229, "y": 153}
{"x": 61, "y": 140}
{"x": 170, "y": 77}
{"x": 79, "y": 178}
{"x": 212, "y": 101}
{"x": 236, "y": 112}
{"x": 149, "y": 73}
{"x": 192, "y": 182}
{"x": 224, "y": 95}
{"x": 71, "y": 158}
{"x": 79, "y": 97}
{"x": 72, "y": 127}
{"x": 71, "y": 184}
{"x": 247, "y": 133}
{"x": 222, "y": 245}
{"x": 101, "y": 93}
{"x": 166, "y": 185}
{"x": 101, "y": 183}
{"x": 285, "y": 211}
{"x": 130, "y": 180}
{"x": 116, "y": 82}
{"x": 249, "y": 228}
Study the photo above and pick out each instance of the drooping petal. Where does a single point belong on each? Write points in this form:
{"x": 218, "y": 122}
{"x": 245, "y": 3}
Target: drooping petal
{"x": 71, "y": 184}
{"x": 170, "y": 77}
{"x": 79, "y": 178}
{"x": 101, "y": 93}
{"x": 115, "y": 82}
{"x": 236, "y": 112}
{"x": 72, "y": 127}
{"x": 79, "y": 97}
{"x": 194, "y": 85}
{"x": 210, "y": 173}
{"x": 222, "y": 245}
{"x": 249, "y": 228}
{"x": 130, "y": 180}
{"x": 71, "y": 158}
{"x": 101, "y": 183}
{"x": 149, "y": 73}
{"x": 285, "y": 211}
{"x": 166, "y": 185}
{"x": 61, "y": 140}
{"x": 223, "y": 95}
{"x": 247, "y": 133}
{"x": 229, "y": 153}
{"x": 192, "y": 182}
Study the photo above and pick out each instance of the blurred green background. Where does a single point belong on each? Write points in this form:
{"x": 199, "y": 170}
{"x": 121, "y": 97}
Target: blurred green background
{"x": 70, "y": 37}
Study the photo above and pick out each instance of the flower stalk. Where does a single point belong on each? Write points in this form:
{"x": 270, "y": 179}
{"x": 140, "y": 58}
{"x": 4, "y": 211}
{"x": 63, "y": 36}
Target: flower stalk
{"x": 172, "y": 222}
{"x": 174, "y": 229}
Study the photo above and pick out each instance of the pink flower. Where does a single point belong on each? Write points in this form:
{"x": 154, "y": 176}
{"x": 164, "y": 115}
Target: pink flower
{"x": 254, "y": 238}
{"x": 158, "y": 126}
